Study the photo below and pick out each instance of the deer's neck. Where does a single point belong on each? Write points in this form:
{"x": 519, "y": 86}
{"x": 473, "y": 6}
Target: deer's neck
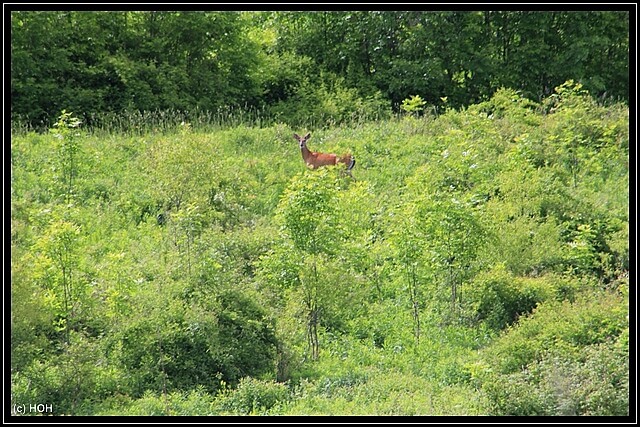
{"x": 306, "y": 153}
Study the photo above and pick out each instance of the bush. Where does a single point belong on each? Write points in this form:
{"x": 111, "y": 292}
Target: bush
{"x": 509, "y": 104}
{"x": 566, "y": 358}
{"x": 593, "y": 383}
{"x": 252, "y": 397}
{"x": 194, "y": 402}
{"x": 497, "y": 298}
{"x": 328, "y": 101}
{"x": 72, "y": 382}
{"x": 179, "y": 345}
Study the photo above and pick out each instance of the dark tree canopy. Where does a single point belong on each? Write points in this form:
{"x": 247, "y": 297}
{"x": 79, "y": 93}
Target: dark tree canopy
{"x": 97, "y": 62}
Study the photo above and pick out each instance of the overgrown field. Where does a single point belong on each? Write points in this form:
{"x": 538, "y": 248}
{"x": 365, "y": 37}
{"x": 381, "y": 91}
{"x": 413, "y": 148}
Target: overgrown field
{"x": 476, "y": 263}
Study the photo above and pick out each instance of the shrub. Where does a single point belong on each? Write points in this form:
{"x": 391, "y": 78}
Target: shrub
{"x": 193, "y": 402}
{"x": 566, "y": 358}
{"x": 498, "y": 298}
{"x": 593, "y": 383}
{"x": 252, "y": 397}
{"x": 180, "y": 345}
{"x": 71, "y": 382}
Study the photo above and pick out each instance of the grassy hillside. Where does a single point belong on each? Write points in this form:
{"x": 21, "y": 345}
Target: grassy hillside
{"x": 476, "y": 263}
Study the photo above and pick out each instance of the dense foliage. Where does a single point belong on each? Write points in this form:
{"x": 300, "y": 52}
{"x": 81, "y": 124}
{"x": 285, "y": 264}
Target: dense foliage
{"x": 311, "y": 68}
{"x": 476, "y": 263}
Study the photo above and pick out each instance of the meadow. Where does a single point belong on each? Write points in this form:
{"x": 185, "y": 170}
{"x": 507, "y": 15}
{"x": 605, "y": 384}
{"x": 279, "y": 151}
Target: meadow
{"x": 476, "y": 263}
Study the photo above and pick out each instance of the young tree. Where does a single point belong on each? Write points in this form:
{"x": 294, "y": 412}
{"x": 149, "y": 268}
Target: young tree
{"x": 59, "y": 252}
{"x": 309, "y": 221}
{"x": 68, "y": 151}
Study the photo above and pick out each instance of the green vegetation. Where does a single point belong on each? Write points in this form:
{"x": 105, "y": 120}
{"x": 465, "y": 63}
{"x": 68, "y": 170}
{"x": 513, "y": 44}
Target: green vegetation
{"x": 171, "y": 254}
{"x": 152, "y": 69}
{"x": 476, "y": 264}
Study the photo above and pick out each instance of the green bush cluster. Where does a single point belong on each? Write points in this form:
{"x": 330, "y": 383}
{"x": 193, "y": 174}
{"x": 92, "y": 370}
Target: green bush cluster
{"x": 567, "y": 359}
{"x": 498, "y": 298}
{"x": 252, "y": 397}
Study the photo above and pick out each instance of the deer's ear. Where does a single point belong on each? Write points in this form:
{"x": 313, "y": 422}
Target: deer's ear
{"x": 307, "y": 135}
{"x": 295, "y": 135}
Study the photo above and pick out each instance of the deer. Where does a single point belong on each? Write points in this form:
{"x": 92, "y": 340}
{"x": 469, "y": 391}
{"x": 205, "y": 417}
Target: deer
{"x": 315, "y": 160}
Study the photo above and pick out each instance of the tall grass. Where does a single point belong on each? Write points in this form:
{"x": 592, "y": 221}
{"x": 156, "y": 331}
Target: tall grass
{"x": 170, "y": 121}
{"x": 136, "y": 123}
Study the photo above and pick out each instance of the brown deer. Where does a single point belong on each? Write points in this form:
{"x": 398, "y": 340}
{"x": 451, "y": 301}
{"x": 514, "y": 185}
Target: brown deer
{"x": 316, "y": 160}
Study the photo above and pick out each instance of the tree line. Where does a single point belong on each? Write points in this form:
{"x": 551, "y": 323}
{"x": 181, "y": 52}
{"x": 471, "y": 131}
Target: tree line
{"x": 298, "y": 66}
